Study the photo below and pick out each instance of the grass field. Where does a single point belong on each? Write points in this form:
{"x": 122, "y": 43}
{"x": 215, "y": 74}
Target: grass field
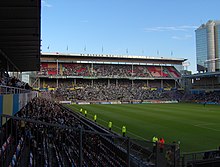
{"x": 195, "y": 126}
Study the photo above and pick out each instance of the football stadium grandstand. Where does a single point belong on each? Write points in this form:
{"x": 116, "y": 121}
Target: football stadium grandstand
{"x": 37, "y": 129}
{"x": 92, "y": 77}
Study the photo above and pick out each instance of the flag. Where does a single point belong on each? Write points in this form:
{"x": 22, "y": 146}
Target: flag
{"x": 67, "y": 48}
{"x": 102, "y": 49}
{"x": 127, "y": 50}
{"x": 48, "y": 47}
{"x": 85, "y": 48}
{"x": 171, "y": 53}
{"x": 158, "y": 52}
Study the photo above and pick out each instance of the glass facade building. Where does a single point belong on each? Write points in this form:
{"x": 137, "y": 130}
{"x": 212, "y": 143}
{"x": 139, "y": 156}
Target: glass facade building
{"x": 218, "y": 46}
{"x": 207, "y": 47}
{"x": 201, "y": 49}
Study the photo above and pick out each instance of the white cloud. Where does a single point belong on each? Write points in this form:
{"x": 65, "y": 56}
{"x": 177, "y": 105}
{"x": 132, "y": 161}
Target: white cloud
{"x": 170, "y": 28}
{"x": 45, "y": 4}
{"x": 185, "y": 37}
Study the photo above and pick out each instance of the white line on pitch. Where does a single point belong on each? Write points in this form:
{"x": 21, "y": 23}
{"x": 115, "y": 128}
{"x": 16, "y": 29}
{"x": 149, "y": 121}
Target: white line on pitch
{"x": 199, "y": 125}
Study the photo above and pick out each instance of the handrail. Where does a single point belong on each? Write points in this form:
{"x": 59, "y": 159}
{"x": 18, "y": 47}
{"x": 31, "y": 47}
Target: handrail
{"x": 12, "y": 90}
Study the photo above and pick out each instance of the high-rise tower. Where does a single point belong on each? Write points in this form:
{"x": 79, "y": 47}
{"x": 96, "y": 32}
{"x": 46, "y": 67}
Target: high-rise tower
{"x": 208, "y": 46}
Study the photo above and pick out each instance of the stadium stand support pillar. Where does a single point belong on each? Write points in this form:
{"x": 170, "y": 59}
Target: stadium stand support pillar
{"x": 80, "y": 148}
{"x": 156, "y": 156}
{"x": 92, "y": 82}
{"x": 183, "y": 161}
{"x": 108, "y": 83}
{"x": 39, "y": 83}
{"x": 57, "y": 83}
{"x": 128, "y": 152}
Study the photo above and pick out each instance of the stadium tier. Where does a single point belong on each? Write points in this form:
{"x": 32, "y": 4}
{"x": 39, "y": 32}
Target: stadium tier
{"x": 107, "y": 71}
{"x": 60, "y": 65}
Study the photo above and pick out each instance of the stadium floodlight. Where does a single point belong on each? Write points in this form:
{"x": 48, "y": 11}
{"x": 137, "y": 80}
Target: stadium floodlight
{"x": 186, "y": 64}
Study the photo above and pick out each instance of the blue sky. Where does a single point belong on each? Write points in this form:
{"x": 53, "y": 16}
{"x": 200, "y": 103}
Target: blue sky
{"x": 159, "y": 28}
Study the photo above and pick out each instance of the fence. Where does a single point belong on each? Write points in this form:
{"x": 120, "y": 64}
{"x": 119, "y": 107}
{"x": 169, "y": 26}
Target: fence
{"x": 202, "y": 159}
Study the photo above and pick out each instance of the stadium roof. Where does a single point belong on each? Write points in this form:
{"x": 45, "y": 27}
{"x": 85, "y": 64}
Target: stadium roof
{"x": 200, "y": 75}
{"x": 20, "y": 34}
{"x": 100, "y": 57}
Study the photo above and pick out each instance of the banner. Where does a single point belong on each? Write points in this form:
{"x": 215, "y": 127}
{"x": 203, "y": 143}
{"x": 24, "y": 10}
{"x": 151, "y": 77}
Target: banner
{"x": 105, "y": 102}
{"x": 22, "y": 100}
{"x": 8, "y": 104}
{"x": 15, "y": 103}
{"x": 83, "y": 102}
{"x": 136, "y": 102}
{"x": 65, "y": 102}
{"x": 116, "y": 102}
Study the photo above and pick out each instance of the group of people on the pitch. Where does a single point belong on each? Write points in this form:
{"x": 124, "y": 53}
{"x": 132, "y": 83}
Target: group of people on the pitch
{"x": 159, "y": 141}
{"x": 123, "y": 129}
{"x": 156, "y": 141}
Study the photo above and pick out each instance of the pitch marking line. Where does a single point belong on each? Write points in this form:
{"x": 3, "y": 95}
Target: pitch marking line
{"x": 202, "y": 126}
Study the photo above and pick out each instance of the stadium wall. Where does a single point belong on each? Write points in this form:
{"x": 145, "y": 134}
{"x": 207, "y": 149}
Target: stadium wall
{"x": 12, "y": 103}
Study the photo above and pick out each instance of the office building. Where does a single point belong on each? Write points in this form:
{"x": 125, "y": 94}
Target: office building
{"x": 208, "y": 47}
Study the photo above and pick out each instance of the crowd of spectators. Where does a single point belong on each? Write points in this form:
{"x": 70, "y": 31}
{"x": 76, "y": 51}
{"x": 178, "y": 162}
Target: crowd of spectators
{"x": 127, "y": 90}
{"x": 48, "y": 69}
{"x": 115, "y": 71}
{"x": 75, "y": 70}
{"x": 108, "y": 70}
{"x": 128, "y": 93}
{"x": 105, "y": 90}
{"x": 56, "y": 145}
{"x": 158, "y": 71}
{"x": 204, "y": 97}
{"x": 70, "y": 83}
{"x": 122, "y": 91}
{"x": 6, "y": 80}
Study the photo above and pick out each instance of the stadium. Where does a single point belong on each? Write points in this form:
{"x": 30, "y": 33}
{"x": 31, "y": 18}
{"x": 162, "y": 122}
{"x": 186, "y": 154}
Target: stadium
{"x": 100, "y": 109}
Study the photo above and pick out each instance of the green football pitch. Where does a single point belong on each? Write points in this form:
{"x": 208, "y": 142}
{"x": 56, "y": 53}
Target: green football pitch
{"x": 197, "y": 127}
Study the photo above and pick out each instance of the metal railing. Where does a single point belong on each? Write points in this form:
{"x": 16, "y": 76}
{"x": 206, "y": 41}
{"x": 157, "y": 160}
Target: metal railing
{"x": 204, "y": 158}
{"x": 12, "y": 90}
